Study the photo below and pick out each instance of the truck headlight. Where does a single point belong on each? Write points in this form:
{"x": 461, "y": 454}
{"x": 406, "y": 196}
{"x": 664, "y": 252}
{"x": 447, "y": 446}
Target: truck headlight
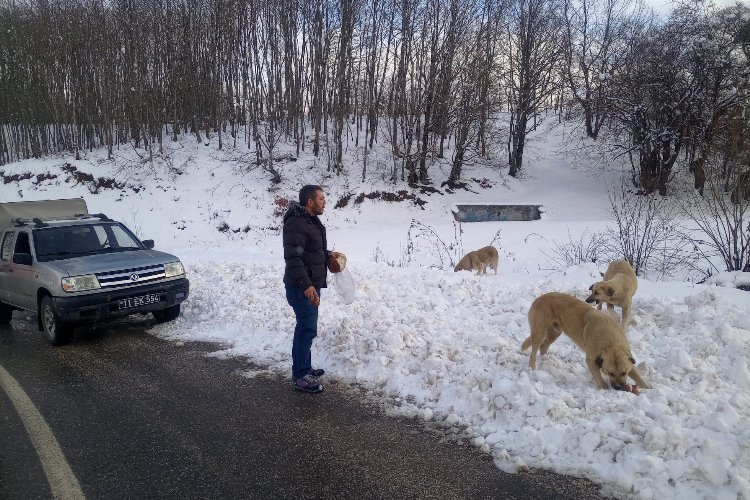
{"x": 173, "y": 269}
{"x": 80, "y": 283}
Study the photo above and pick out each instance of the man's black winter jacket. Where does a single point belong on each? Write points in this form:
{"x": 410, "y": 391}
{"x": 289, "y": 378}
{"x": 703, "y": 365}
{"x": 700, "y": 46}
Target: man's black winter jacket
{"x": 305, "y": 250}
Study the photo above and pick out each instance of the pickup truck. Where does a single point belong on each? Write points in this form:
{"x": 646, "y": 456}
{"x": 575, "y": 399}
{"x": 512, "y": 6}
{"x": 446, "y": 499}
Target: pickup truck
{"x": 70, "y": 267}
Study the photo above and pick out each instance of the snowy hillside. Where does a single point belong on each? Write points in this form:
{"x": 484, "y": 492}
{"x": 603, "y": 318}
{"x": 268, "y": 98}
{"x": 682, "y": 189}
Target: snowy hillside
{"x": 439, "y": 345}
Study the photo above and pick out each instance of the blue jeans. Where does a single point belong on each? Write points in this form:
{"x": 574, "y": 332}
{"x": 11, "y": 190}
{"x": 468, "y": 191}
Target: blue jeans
{"x": 305, "y": 331}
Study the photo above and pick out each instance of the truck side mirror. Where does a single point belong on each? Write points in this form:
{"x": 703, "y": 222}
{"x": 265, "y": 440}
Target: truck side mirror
{"x": 148, "y": 244}
{"x": 22, "y": 258}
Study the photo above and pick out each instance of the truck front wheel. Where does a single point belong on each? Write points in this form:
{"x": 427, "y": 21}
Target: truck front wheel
{"x": 55, "y": 331}
{"x": 5, "y": 314}
{"x": 168, "y": 314}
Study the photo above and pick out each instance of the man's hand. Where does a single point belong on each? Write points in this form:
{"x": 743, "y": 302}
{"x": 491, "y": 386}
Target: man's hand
{"x": 333, "y": 263}
{"x": 312, "y": 295}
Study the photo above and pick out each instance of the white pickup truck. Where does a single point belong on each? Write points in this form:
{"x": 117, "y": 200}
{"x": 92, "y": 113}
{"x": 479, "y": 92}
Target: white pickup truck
{"x": 70, "y": 267}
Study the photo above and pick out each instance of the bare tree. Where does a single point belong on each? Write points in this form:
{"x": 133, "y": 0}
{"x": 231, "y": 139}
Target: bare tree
{"x": 488, "y": 47}
{"x": 645, "y": 232}
{"x": 469, "y": 107}
{"x": 725, "y": 225}
{"x": 533, "y": 55}
{"x": 433, "y": 27}
{"x": 342, "y": 76}
{"x": 319, "y": 46}
{"x": 443, "y": 98}
{"x": 650, "y": 104}
{"x": 719, "y": 66}
{"x": 595, "y": 34}
{"x": 406, "y": 96}
{"x": 676, "y": 83}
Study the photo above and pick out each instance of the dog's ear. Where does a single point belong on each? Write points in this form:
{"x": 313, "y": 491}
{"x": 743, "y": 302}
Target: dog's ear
{"x": 599, "y": 361}
{"x": 610, "y": 291}
{"x": 632, "y": 360}
{"x": 591, "y": 287}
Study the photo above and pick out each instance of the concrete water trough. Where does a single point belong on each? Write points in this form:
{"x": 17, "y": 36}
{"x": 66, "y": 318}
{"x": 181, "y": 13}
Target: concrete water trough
{"x": 496, "y": 212}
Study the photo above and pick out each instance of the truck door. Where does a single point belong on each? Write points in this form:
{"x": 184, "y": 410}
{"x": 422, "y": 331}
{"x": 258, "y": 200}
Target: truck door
{"x": 23, "y": 291}
{"x": 6, "y": 251}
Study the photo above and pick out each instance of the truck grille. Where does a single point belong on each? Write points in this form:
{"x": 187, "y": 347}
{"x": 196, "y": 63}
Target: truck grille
{"x": 133, "y": 276}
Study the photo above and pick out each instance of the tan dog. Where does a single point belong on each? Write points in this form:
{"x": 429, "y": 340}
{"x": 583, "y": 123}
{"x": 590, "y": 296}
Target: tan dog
{"x": 478, "y": 260}
{"x": 617, "y": 289}
{"x": 597, "y": 333}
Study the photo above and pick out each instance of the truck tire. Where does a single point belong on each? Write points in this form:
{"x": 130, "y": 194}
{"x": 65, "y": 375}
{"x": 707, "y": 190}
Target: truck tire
{"x": 168, "y": 314}
{"x": 6, "y": 312}
{"x": 55, "y": 331}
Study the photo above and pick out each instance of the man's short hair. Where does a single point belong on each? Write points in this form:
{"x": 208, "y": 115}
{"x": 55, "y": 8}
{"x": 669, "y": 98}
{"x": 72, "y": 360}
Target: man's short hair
{"x": 308, "y": 193}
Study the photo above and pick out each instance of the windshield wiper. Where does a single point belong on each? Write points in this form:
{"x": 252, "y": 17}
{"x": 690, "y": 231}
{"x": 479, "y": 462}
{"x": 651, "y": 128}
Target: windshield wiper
{"x": 55, "y": 254}
{"x": 90, "y": 252}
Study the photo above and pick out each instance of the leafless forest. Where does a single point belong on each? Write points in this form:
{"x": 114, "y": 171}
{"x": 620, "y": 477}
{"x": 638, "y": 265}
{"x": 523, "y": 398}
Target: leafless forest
{"x": 414, "y": 75}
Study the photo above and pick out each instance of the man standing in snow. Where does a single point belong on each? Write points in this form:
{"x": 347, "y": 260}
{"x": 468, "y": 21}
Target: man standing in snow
{"x": 307, "y": 260}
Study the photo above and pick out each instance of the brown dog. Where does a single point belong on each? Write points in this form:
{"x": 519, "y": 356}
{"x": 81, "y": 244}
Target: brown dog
{"x": 597, "y": 333}
{"x": 617, "y": 289}
{"x": 478, "y": 260}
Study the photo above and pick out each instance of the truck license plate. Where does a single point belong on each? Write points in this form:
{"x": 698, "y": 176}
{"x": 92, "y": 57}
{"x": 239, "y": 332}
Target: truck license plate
{"x": 143, "y": 300}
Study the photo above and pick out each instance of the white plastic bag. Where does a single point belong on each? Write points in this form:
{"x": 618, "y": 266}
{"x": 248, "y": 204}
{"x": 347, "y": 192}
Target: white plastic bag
{"x": 343, "y": 282}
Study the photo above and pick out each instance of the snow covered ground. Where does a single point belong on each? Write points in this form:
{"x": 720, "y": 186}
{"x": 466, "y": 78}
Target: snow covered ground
{"x": 439, "y": 345}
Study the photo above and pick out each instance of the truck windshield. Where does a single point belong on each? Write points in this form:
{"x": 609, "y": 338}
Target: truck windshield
{"x": 64, "y": 242}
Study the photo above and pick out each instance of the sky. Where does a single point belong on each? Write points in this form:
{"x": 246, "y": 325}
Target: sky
{"x": 663, "y": 7}
{"x": 445, "y": 346}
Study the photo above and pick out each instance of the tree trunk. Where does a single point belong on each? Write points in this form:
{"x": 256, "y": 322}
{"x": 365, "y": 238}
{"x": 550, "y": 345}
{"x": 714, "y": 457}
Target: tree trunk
{"x": 518, "y": 142}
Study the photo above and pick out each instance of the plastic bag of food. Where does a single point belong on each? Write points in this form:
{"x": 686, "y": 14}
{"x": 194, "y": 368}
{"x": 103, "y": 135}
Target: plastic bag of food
{"x": 344, "y": 284}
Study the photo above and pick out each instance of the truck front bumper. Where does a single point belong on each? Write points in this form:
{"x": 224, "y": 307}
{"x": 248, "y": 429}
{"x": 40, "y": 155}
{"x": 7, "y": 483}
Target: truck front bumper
{"x": 110, "y": 304}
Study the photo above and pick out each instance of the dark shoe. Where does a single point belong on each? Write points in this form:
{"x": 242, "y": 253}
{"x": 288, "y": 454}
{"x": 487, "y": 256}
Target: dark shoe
{"x": 308, "y": 384}
{"x": 317, "y": 372}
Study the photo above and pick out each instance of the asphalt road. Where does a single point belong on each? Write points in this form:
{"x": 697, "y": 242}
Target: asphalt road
{"x": 139, "y": 417}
